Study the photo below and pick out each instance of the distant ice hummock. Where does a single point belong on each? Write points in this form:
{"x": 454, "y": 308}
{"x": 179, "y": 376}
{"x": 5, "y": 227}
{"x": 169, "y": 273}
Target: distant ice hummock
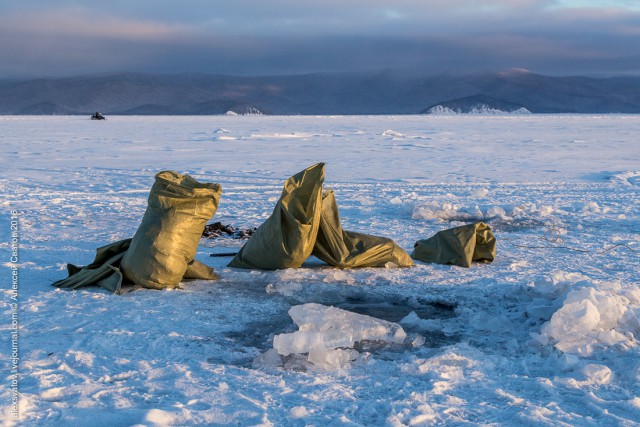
{"x": 479, "y": 110}
{"x": 477, "y": 104}
{"x": 245, "y": 111}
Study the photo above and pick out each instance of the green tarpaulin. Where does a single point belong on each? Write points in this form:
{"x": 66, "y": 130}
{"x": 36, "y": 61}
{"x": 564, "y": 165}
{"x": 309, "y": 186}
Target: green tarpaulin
{"x": 347, "y": 249}
{"x": 286, "y": 238}
{"x": 104, "y": 271}
{"x": 458, "y": 246}
{"x": 162, "y": 251}
{"x": 305, "y": 222}
{"x": 167, "y": 240}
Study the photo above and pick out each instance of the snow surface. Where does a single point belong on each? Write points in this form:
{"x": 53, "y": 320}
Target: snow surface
{"x": 545, "y": 335}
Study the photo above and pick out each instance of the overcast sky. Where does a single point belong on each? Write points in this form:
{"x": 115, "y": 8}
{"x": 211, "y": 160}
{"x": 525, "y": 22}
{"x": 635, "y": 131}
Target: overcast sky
{"x": 254, "y": 37}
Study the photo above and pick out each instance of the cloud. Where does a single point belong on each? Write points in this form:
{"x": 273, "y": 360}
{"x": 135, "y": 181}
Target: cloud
{"x": 82, "y": 24}
{"x": 286, "y": 36}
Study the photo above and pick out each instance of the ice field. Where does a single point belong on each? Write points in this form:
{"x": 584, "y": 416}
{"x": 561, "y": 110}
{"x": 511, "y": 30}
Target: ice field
{"x": 545, "y": 335}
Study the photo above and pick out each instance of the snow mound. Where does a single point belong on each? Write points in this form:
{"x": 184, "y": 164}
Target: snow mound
{"x": 444, "y": 212}
{"x": 327, "y": 335}
{"x": 627, "y": 178}
{"x": 592, "y": 319}
{"x": 448, "y": 211}
{"x": 393, "y": 134}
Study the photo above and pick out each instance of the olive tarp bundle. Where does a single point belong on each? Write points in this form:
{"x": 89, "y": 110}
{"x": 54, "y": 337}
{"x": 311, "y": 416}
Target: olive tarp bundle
{"x": 167, "y": 239}
{"x": 348, "y": 249}
{"x": 304, "y": 222}
{"x": 286, "y": 238}
{"x": 458, "y": 246}
{"x": 162, "y": 251}
{"x": 104, "y": 271}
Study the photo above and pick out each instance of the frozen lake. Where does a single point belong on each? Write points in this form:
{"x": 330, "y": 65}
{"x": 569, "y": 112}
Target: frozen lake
{"x": 545, "y": 335}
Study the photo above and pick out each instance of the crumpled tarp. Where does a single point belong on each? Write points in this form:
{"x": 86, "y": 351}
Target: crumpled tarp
{"x": 162, "y": 251}
{"x": 305, "y": 222}
{"x": 287, "y": 237}
{"x": 348, "y": 249}
{"x": 167, "y": 240}
{"x": 458, "y": 246}
{"x": 104, "y": 271}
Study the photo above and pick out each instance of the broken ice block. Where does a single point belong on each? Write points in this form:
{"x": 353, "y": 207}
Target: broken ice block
{"x": 332, "y": 359}
{"x": 327, "y": 335}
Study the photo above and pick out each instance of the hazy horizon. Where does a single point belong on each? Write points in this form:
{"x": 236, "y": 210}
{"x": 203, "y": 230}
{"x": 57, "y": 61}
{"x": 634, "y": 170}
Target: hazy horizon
{"x": 396, "y": 72}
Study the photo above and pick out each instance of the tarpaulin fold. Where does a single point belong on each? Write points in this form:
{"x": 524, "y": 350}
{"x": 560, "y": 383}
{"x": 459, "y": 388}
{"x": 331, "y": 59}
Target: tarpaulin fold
{"x": 167, "y": 239}
{"x": 104, "y": 271}
{"x": 348, "y": 249}
{"x": 458, "y": 246}
{"x": 162, "y": 251}
{"x": 287, "y": 237}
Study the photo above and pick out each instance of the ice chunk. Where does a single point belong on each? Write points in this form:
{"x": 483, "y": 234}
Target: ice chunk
{"x": 328, "y": 334}
{"x": 297, "y": 342}
{"x": 332, "y": 359}
{"x": 573, "y": 319}
{"x": 546, "y": 210}
{"x": 339, "y": 276}
{"x": 393, "y": 134}
{"x": 446, "y": 211}
{"x": 418, "y": 341}
{"x": 482, "y": 192}
{"x": 593, "y": 318}
{"x": 268, "y": 359}
{"x": 496, "y": 211}
{"x": 298, "y": 412}
{"x": 410, "y": 319}
{"x": 320, "y": 317}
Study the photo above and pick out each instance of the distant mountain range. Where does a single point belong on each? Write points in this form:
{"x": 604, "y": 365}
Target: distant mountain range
{"x": 363, "y": 93}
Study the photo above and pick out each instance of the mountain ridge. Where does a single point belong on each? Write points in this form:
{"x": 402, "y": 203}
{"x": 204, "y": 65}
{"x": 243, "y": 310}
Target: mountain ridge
{"x": 384, "y": 92}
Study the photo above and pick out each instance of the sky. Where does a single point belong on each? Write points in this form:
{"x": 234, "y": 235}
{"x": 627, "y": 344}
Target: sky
{"x": 41, "y": 38}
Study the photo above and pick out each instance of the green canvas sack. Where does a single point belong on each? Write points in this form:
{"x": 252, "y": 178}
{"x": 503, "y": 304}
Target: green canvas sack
{"x": 347, "y": 249}
{"x": 163, "y": 248}
{"x": 287, "y": 237}
{"x": 458, "y": 246}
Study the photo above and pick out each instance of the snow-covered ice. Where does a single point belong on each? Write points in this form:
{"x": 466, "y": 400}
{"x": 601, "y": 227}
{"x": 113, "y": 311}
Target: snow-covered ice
{"x": 545, "y": 335}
